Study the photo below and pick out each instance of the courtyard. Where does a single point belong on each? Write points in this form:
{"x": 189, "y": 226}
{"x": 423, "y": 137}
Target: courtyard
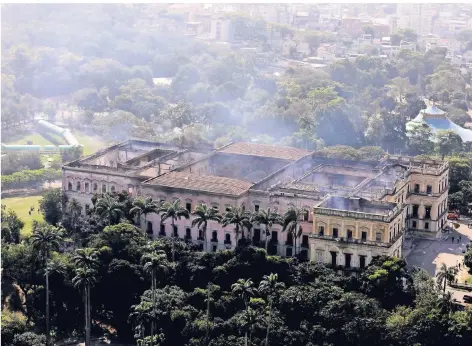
{"x": 429, "y": 254}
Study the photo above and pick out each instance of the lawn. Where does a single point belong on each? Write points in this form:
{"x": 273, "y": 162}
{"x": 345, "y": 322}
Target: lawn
{"x": 35, "y": 138}
{"x": 21, "y": 206}
{"x": 91, "y": 144}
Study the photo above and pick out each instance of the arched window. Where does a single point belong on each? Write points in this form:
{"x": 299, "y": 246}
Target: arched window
{"x": 95, "y": 187}
{"x": 78, "y": 186}
{"x": 69, "y": 186}
{"x": 214, "y": 236}
{"x": 104, "y": 188}
{"x": 112, "y": 188}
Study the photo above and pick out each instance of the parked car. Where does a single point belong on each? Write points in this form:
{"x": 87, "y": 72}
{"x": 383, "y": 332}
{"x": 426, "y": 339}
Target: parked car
{"x": 453, "y": 216}
{"x": 467, "y": 299}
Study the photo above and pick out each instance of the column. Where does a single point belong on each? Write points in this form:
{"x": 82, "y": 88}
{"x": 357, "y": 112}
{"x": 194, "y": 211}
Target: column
{"x": 357, "y": 235}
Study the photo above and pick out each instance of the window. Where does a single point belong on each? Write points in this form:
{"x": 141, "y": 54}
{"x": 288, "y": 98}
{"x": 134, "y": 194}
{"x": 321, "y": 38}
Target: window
{"x": 319, "y": 257}
{"x": 289, "y": 252}
{"x": 256, "y": 207}
{"x": 149, "y": 227}
{"x": 305, "y": 241}
{"x": 349, "y": 234}
{"x": 104, "y": 188}
{"x": 87, "y": 187}
{"x": 426, "y": 225}
{"x": 188, "y": 233}
{"x": 347, "y": 260}
{"x": 289, "y": 239}
{"x": 321, "y": 230}
{"x": 188, "y": 206}
{"x": 95, "y": 187}
{"x": 162, "y": 231}
{"x": 415, "y": 211}
{"x": 227, "y": 209}
{"x": 113, "y": 188}
{"x": 200, "y": 234}
{"x": 257, "y": 235}
{"x": 69, "y": 186}
{"x": 214, "y": 236}
{"x": 417, "y": 188}
{"x": 306, "y": 215}
{"x": 429, "y": 189}
{"x": 427, "y": 212}
{"x": 304, "y": 254}
{"x": 335, "y": 232}
{"x": 378, "y": 236}
{"x": 362, "y": 261}
{"x": 214, "y": 248}
{"x": 364, "y": 236}
{"x": 176, "y": 233}
{"x": 274, "y": 238}
{"x": 334, "y": 256}
{"x": 78, "y": 186}
{"x": 413, "y": 224}
{"x": 200, "y": 247}
{"x": 227, "y": 238}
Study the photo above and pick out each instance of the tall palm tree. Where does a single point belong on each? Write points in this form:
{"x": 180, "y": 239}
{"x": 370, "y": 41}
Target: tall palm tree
{"x": 86, "y": 264}
{"x": 250, "y": 318}
{"x": 154, "y": 262}
{"x": 445, "y": 275}
{"x": 109, "y": 207}
{"x": 270, "y": 287}
{"x": 174, "y": 211}
{"x": 203, "y": 214}
{"x": 142, "y": 207}
{"x": 292, "y": 224}
{"x": 245, "y": 289}
{"x": 268, "y": 218}
{"x": 75, "y": 210}
{"x": 46, "y": 238}
{"x": 239, "y": 218}
{"x": 84, "y": 279}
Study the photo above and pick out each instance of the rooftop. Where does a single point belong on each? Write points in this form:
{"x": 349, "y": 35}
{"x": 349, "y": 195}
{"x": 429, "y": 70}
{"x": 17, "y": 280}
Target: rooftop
{"x": 359, "y": 205}
{"x": 205, "y": 183}
{"x": 265, "y": 150}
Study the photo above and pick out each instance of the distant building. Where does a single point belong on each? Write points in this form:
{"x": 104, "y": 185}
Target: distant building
{"x": 436, "y": 119}
{"x": 418, "y": 17}
{"x": 222, "y": 29}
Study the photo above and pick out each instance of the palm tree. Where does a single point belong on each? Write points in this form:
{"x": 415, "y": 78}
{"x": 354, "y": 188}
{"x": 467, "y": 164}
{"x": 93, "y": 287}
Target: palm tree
{"x": 267, "y": 218}
{"x": 446, "y": 303}
{"x": 244, "y": 289}
{"x": 86, "y": 258}
{"x": 270, "y": 287}
{"x": 144, "y": 207}
{"x": 250, "y": 318}
{"x": 46, "y": 238}
{"x": 203, "y": 214}
{"x": 153, "y": 262}
{"x": 75, "y": 210}
{"x": 85, "y": 278}
{"x": 174, "y": 211}
{"x": 292, "y": 224}
{"x": 139, "y": 317}
{"x": 109, "y": 207}
{"x": 445, "y": 275}
{"x": 239, "y": 218}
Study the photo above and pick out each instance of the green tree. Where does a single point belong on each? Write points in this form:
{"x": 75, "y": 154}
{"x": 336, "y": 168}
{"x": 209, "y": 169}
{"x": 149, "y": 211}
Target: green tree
{"x": 109, "y": 207}
{"x": 270, "y": 287}
{"x": 203, "y": 214}
{"x": 468, "y": 258}
{"x": 268, "y": 218}
{"x": 244, "y": 289}
{"x": 292, "y": 224}
{"x": 143, "y": 207}
{"x": 448, "y": 142}
{"x": 239, "y": 218}
{"x": 46, "y": 238}
{"x": 51, "y": 205}
{"x": 86, "y": 266}
{"x": 420, "y": 139}
{"x": 445, "y": 275}
{"x": 174, "y": 211}
{"x": 11, "y": 225}
{"x": 153, "y": 263}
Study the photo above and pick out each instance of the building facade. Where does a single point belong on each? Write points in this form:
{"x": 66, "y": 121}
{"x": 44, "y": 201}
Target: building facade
{"x": 351, "y": 207}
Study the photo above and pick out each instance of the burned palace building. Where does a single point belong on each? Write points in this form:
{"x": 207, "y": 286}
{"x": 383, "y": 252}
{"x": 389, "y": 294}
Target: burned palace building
{"x": 353, "y": 210}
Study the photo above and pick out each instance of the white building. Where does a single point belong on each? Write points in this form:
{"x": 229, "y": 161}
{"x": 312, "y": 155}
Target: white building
{"x": 418, "y": 17}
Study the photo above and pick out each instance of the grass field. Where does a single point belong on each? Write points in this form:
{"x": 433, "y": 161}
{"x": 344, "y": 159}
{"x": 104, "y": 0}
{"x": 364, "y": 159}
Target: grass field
{"x": 35, "y": 138}
{"x": 21, "y": 205}
{"x": 91, "y": 144}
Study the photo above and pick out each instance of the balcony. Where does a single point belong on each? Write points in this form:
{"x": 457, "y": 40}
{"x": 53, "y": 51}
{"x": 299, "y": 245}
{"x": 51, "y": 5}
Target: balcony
{"x": 305, "y": 245}
{"x": 214, "y": 240}
{"x": 227, "y": 242}
{"x": 273, "y": 242}
{"x": 426, "y": 194}
{"x": 200, "y": 238}
{"x": 289, "y": 242}
{"x": 188, "y": 237}
{"x": 162, "y": 234}
{"x": 359, "y": 241}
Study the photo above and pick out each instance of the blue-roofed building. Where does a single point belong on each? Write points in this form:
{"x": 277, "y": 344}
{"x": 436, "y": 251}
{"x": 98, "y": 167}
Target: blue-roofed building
{"x": 437, "y": 120}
